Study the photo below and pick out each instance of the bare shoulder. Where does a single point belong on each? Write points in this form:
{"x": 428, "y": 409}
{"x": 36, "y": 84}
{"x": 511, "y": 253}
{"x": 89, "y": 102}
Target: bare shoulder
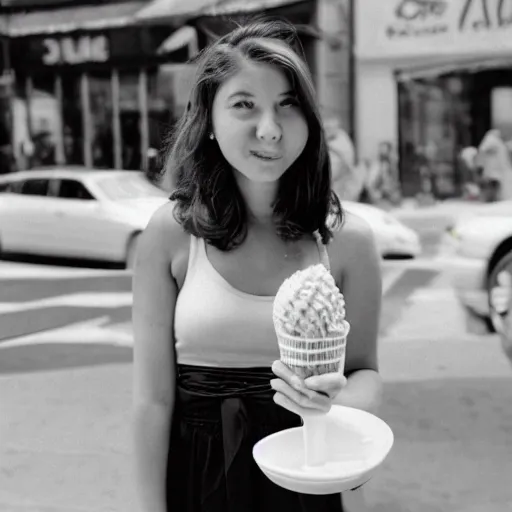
{"x": 354, "y": 235}
{"x": 353, "y": 244}
{"x": 163, "y": 238}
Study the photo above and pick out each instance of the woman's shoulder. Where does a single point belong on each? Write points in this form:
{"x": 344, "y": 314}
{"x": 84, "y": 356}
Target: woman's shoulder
{"x": 352, "y": 241}
{"x": 165, "y": 232}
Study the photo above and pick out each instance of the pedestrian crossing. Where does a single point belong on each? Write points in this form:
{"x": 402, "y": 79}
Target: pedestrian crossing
{"x": 43, "y": 304}
{"x": 13, "y": 270}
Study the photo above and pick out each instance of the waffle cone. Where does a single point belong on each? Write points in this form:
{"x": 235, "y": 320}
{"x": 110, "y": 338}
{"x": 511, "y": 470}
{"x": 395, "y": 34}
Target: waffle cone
{"x": 314, "y": 356}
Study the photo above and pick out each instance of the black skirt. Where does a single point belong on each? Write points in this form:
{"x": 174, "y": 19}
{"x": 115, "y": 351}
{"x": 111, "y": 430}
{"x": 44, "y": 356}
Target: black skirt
{"x": 219, "y": 415}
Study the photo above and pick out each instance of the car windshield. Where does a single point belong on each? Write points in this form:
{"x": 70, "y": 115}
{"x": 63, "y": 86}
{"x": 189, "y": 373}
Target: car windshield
{"x": 129, "y": 186}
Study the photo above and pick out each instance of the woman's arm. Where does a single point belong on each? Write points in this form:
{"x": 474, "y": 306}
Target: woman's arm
{"x": 362, "y": 288}
{"x": 154, "y": 298}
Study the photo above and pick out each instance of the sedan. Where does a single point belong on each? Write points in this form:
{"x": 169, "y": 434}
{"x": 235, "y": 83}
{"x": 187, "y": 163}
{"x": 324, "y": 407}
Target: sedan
{"x": 394, "y": 239}
{"x": 76, "y": 213}
{"x": 481, "y": 247}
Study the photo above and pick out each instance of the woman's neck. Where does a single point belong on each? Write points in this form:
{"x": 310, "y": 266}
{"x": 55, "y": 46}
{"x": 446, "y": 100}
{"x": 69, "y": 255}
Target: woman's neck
{"x": 259, "y": 199}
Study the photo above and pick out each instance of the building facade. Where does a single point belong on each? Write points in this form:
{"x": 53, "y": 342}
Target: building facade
{"x": 432, "y": 78}
{"x": 102, "y": 83}
{"x": 92, "y": 86}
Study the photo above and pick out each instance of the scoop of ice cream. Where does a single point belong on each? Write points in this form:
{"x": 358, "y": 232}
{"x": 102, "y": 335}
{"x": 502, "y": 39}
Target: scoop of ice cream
{"x": 309, "y": 305}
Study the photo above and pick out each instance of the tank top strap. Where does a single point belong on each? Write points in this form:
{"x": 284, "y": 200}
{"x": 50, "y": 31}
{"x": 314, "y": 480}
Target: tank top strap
{"x": 322, "y": 251}
{"x": 194, "y": 250}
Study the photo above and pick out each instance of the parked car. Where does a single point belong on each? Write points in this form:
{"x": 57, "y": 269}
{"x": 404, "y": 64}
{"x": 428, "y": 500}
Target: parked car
{"x": 480, "y": 245}
{"x": 97, "y": 214}
{"x": 76, "y": 212}
{"x": 394, "y": 239}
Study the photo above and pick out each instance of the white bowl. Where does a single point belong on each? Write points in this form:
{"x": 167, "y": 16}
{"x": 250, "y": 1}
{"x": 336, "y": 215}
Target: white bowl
{"x": 358, "y": 443}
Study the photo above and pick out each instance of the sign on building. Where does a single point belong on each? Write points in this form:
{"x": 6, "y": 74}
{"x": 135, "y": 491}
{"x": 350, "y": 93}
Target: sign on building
{"x": 75, "y": 50}
{"x": 409, "y": 28}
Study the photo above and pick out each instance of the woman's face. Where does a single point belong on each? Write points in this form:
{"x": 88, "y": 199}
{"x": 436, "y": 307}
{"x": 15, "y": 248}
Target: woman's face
{"x": 258, "y": 123}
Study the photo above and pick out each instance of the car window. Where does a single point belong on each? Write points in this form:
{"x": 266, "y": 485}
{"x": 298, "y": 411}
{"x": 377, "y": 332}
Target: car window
{"x": 72, "y": 189}
{"x": 35, "y": 187}
{"x": 5, "y": 187}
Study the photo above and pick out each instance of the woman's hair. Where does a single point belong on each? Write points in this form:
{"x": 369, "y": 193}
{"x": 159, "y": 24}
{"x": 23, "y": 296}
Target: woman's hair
{"x": 209, "y": 203}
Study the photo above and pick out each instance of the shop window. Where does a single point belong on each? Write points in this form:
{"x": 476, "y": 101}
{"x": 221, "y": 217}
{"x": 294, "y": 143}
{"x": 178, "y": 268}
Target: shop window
{"x": 35, "y": 187}
{"x": 45, "y": 118}
{"x": 72, "y": 189}
{"x": 100, "y": 90}
{"x": 163, "y": 109}
{"x": 434, "y": 126}
{"x": 72, "y": 119}
{"x": 130, "y": 120}
{"x": 501, "y": 111}
{"x": 21, "y": 137}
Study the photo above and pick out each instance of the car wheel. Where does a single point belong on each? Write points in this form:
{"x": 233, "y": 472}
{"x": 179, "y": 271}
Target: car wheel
{"x": 131, "y": 252}
{"x": 499, "y": 291}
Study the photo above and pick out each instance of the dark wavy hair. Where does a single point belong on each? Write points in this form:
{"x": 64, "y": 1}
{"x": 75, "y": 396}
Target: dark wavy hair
{"x": 209, "y": 204}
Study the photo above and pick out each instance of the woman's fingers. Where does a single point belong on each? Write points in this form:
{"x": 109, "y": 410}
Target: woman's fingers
{"x": 329, "y": 383}
{"x": 314, "y": 401}
{"x": 283, "y": 372}
{"x": 292, "y": 406}
{"x": 292, "y": 379}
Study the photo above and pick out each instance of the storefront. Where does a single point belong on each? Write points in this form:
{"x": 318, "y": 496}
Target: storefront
{"x": 94, "y": 88}
{"x": 433, "y": 76}
{"x": 324, "y": 28}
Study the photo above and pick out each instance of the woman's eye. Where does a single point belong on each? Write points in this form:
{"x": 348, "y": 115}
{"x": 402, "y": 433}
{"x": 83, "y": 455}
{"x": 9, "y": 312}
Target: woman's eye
{"x": 289, "y": 102}
{"x": 243, "y": 104}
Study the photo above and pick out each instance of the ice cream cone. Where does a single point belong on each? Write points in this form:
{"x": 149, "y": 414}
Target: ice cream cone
{"x": 310, "y": 325}
{"x": 314, "y": 356}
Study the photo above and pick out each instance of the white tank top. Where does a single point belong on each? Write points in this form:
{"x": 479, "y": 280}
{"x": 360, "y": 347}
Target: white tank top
{"x": 216, "y": 324}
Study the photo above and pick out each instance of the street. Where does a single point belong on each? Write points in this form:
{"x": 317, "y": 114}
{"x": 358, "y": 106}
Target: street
{"x": 65, "y": 382}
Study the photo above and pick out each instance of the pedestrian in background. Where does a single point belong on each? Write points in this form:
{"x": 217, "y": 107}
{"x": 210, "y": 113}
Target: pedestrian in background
{"x": 252, "y": 195}
{"x": 388, "y": 172}
{"x": 346, "y": 181}
{"x": 496, "y": 163}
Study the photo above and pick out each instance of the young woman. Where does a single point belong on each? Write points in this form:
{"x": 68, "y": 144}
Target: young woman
{"x": 252, "y": 203}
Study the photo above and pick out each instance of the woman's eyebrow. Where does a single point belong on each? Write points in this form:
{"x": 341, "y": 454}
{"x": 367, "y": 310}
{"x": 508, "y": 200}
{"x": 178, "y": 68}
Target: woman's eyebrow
{"x": 240, "y": 93}
{"x": 250, "y": 95}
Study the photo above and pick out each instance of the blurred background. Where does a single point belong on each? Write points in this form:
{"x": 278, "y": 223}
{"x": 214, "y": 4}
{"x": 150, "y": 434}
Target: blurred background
{"x": 416, "y": 98}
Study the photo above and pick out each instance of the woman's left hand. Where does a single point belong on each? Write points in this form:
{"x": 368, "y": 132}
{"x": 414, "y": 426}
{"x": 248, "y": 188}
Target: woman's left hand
{"x": 310, "y": 396}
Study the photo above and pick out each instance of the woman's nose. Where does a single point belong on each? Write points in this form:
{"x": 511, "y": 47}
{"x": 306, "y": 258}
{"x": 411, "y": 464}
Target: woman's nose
{"x": 268, "y": 129}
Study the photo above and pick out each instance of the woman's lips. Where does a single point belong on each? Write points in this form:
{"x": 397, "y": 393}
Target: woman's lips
{"x": 265, "y": 156}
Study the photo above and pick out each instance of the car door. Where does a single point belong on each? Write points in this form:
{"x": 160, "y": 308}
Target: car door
{"x": 27, "y": 226}
{"x": 80, "y": 221}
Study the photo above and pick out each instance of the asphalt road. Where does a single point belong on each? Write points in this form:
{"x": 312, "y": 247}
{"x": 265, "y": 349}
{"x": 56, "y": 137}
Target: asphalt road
{"x": 65, "y": 383}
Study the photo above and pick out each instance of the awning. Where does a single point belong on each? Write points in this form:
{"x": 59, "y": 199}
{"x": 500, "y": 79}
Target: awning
{"x": 446, "y": 68}
{"x": 84, "y": 17}
{"x": 184, "y": 36}
{"x": 165, "y": 9}
{"x": 227, "y": 7}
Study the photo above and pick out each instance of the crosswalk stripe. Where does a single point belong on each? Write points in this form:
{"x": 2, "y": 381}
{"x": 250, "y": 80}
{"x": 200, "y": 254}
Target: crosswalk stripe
{"x": 91, "y": 331}
{"x": 11, "y": 270}
{"x": 95, "y": 299}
